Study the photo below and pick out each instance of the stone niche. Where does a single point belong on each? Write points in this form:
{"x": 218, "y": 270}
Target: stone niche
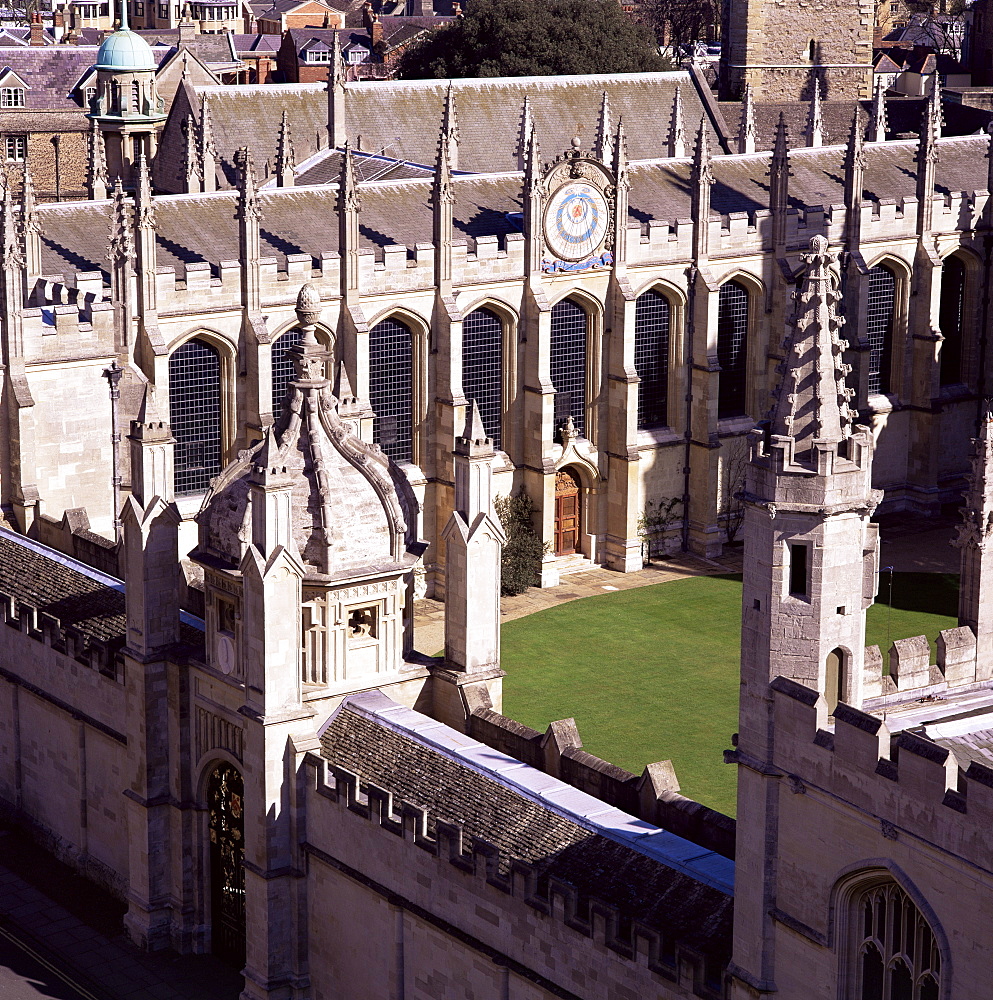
{"x": 351, "y": 632}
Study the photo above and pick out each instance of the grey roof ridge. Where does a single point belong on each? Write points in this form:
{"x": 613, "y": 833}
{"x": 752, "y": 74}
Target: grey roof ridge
{"x": 96, "y": 575}
{"x": 660, "y": 845}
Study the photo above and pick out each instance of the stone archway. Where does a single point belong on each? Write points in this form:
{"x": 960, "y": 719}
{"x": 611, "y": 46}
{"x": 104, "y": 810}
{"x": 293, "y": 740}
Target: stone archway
{"x": 568, "y": 512}
{"x": 226, "y": 821}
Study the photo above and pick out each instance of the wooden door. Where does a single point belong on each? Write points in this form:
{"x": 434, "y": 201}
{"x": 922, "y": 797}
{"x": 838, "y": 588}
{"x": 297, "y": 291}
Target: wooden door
{"x": 567, "y": 513}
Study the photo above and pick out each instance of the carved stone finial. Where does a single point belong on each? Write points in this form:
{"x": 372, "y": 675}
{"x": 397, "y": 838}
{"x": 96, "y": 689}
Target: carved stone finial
{"x": 879, "y": 124}
{"x": 815, "y": 121}
{"x": 746, "y": 133}
{"x": 677, "y": 130}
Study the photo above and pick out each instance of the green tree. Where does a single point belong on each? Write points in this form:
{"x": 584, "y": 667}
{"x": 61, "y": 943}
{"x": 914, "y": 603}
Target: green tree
{"x": 534, "y": 38}
{"x": 520, "y": 565}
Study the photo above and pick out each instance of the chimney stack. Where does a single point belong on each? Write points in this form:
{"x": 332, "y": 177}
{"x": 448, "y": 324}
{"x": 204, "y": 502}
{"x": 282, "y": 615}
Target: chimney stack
{"x": 37, "y": 29}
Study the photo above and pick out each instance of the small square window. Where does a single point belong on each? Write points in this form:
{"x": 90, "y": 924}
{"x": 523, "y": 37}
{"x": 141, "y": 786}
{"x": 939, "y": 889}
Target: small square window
{"x": 16, "y": 148}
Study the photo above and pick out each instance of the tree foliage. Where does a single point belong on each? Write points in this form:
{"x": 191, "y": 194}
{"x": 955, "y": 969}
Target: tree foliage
{"x": 528, "y": 38}
{"x": 678, "y": 22}
{"x": 520, "y": 565}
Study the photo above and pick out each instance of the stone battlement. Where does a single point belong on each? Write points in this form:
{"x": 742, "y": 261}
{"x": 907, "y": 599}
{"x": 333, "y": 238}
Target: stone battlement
{"x": 909, "y": 782}
{"x": 605, "y": 924}
{"x": 67, "y": 639}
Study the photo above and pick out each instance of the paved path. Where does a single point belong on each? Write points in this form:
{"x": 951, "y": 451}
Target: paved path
{"x": 61, "y": 938}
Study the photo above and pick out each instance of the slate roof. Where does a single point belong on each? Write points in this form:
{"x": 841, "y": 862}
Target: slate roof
{"x": 602, "y": 852}
{"x": 217, "y": 48}
{"x": 903, "y": 116}
{"x": 977, "y": 746}
{"x": 406, "y": 116}
{"x": 256, "y": 43}
{"x": 70, "y": 591}
{"x": 50, "y": 71}
{"x": 295, "y": 220}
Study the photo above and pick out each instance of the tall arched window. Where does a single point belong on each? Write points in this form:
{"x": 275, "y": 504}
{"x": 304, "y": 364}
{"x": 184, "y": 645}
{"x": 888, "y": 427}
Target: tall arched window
{"x": 568, "y": 362}
{"x": 732, "y": 349}
{"x": 195, "y": 415}
{"x": 282, "y": 366}
{"x": 390, "y": 388}
{"x": 135, "y": 97}
{"x": 482, "y": 368}
{"x": 896, "y": 955}
{"x": 951, "y": 319}
{"x": 879, "y": 327}
{"x": 651, "y": 358}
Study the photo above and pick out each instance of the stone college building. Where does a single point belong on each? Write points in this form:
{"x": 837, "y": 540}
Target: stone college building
{"x": 351, "y": 317}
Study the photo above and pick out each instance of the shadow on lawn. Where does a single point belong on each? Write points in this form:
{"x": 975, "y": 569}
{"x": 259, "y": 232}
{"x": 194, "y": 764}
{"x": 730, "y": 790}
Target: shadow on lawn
{"x": 929, "y": 593}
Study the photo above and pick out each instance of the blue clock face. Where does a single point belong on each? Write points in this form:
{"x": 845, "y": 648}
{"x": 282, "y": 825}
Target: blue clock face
{"x": 576, "y": 221}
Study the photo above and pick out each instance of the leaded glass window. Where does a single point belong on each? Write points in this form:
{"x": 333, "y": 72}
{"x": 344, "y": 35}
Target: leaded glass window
{"x": 896, "y": 952}
{"x": 568, "y": 363}
{"x": 879, "y": 327}
{"x": 651, "y": 358}
{"x": 732, "y": 349}
{"x": 482, "y": 368}
{"x": 195, "y": 415}
{"x": 951, "y": 319}
{"x": 391, "y": 387}
{"x": 283, "y": 371}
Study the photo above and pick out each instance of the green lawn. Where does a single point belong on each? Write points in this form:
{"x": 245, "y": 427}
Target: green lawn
{"x": 652, "y": 673}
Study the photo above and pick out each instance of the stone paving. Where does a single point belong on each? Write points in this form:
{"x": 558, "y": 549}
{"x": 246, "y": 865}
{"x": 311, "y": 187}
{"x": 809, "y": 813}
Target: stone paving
{"x": 75, "y": 930}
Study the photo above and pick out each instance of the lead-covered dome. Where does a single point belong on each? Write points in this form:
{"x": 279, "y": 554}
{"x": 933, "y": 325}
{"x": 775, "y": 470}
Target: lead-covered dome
{"x": 125, "y": 51}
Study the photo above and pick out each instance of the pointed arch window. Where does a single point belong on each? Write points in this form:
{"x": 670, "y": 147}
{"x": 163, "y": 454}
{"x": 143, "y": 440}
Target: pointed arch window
{"x": 732, "y": 348}
{"x": 195, "y": 415}
{"x": 568, "y": 362}
{"x": 651, "y": 358}
{"x": 391, "y": 387}
{"x": 896, "y": 954}
{"x": 879, "y": 327}
{"x": 482, "y": 368}
{"x": 951, "y": 319}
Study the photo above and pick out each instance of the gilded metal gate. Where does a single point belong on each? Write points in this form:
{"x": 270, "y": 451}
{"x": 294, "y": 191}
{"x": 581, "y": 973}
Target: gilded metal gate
{"x": 225, "y": 798}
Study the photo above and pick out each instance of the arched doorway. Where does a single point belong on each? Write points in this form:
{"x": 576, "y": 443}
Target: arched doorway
{"x": 568, "y": 512}
{"x": 225, "y": 802}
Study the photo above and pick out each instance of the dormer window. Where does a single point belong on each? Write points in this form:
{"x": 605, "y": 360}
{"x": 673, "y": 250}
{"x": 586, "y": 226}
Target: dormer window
{"x": 319, "y": 55}
{"x": 12, "y": 97}
{"x": 357, "y": 55}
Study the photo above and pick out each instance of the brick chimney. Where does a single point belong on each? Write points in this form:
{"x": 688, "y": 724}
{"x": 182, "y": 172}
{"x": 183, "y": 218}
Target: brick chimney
{"x": 375, "y": 32}
{"x": 367, "y": 16}
{"x": 37, "y": 29}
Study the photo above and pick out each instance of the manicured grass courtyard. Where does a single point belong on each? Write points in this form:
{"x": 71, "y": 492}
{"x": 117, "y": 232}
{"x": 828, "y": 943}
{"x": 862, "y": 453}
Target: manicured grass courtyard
{"x": 652, "y": 673}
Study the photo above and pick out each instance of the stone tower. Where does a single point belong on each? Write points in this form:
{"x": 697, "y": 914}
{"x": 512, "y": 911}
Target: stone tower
{"x": 975, "y": 598}
{"x": 810, "y": 549}
{"x": 127, "y": 108}
{"x": 810, "y": 574}
{"x": 781, "y": 48}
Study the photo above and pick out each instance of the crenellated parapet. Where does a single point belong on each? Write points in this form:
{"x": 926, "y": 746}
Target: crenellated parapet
{"x": 99, "y": 655}
{"x": 527, "y": 892}
{"x": 912, "y": 784}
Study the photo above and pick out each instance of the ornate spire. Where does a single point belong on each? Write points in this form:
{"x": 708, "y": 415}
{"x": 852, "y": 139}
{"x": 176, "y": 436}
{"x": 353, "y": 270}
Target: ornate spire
{"x": 879, "y": 124}
{"x": 191, "y": 156}
{"x": 206, "y": 148}
{"x": 703, "y": 172}
{"x": 927, "y": 162}
{"x": 779, "y": 182}
{"x": 815, "y": 121}
{"x": 96, "y": 166}
{"x": 248, "y": 195}
{"x": 855, "y": 162}
{"x": 937, "y": 112}
{"x": 30, "y": 226}
{"x": 677, "y": 130}
{"x": 144, "y": 207}
{"x": 746, "y": 134}
{"x": 285, "y": 159}
{"x": 603, "y": 150}
{"x": 450, "y": 127}
{"x": 532, "y": 163}
{"x": 977, "y": 512}
{"x": 441, "y": 191}
{"x": 10, "y": 237}
{"x": 812, "y": 402}
{"x": 524, "y": 133}
{"x": 121, "y": 245}
{"x": 348, "y": 192}
{"x": 620, "y": 159}
{"x": 473, "y": 440}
